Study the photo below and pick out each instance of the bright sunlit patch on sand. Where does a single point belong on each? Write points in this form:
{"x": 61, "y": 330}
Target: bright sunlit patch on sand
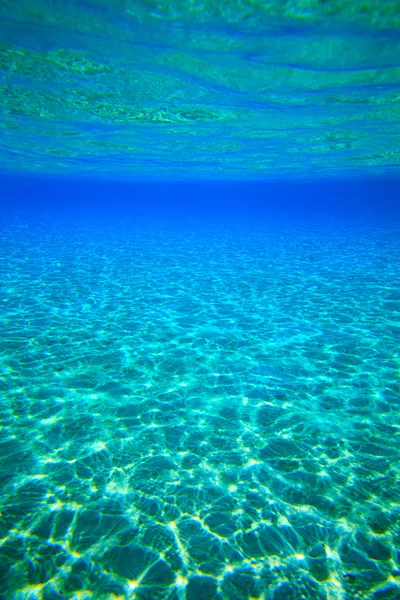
{"x": 181, "y": 581}
{"x": 99, "y": 446}
{"x": 251, "y": 462}
{"x": 58, "y": 505}
{"x": 133, "y": 584}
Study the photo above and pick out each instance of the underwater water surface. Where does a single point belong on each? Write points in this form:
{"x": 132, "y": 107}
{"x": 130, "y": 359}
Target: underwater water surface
{"x": 232, "y": 90}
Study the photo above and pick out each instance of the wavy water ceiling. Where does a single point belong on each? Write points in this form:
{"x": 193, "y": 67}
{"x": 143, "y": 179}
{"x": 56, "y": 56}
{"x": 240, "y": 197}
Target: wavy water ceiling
{"x": 200, "y": 90}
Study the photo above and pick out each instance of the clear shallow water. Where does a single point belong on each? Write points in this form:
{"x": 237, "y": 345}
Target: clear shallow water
{"x": 199, "y": 395}
{"x": 199, "y": 410}
{"x": 231, "y": 90}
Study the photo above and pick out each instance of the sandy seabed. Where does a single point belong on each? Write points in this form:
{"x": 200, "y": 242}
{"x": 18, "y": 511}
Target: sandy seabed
{"x": 199, "y": 411}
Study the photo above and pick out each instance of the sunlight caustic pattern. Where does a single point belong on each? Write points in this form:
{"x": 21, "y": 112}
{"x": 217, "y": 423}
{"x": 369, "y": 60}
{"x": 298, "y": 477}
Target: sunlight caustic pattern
{"x": 199, "y": 413}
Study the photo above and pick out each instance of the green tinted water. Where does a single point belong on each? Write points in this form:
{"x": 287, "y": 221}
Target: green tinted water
{"x": 200, "y": 90}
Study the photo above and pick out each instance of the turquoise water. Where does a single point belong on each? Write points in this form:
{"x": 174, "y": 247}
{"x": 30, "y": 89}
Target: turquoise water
{"x": 199, "y": 300}
{"x": 198, "y": 409}
{"x": 230, "y": 90}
